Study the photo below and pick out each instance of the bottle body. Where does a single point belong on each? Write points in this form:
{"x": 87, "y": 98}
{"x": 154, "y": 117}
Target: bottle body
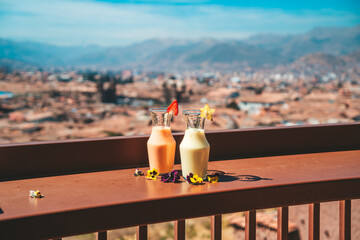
{"x": 194, "y": 148}
{"x": 194, "y": 153}
{"x": 161, "y": 144}
{"x": 161, "y": 149}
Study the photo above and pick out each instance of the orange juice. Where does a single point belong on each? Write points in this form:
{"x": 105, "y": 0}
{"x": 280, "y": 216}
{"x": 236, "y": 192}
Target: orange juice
{"x": 161, "y": 149}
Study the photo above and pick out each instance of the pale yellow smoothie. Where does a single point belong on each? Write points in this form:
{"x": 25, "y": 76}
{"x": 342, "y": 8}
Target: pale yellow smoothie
{"x": 194, "y": 152}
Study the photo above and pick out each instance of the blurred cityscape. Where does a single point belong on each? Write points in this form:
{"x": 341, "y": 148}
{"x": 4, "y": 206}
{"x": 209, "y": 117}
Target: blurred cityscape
{"x": 69, "y": 104}
{"x": 90, "y": 69}
{"x": 52, "y": 92}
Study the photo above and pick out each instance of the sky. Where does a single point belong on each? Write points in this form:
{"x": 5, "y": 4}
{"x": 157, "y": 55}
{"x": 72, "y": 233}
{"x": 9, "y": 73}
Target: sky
{"x": 118, "y": 23}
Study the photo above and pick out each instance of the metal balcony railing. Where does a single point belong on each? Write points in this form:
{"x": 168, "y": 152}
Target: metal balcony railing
{"x": 89, "y": 187}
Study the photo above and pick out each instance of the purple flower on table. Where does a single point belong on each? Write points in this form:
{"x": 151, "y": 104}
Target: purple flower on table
{"x": 176, "y": 176}
{"x": 165, "y": 177}
{"x": 171, "y": 177}
{"x": 188, "y": 177}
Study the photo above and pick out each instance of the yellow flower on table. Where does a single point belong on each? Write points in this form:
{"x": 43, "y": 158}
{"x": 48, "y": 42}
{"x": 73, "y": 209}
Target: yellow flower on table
{"x": 196, "y": 179}
{"x": 152, "y": 174}
{"x": 213, "y": 179}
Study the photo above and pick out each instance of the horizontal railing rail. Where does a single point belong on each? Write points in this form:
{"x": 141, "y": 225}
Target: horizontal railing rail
{"x": 24, "y": 160}
{"x": 290, "y": 165}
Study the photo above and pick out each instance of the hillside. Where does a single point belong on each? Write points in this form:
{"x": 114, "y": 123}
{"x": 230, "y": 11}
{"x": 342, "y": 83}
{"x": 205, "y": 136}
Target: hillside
{"x": 259, "y": 51}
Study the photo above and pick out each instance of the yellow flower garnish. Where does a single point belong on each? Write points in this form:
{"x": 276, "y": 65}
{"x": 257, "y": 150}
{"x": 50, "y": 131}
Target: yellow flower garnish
{"x": 213, "y": 179}
{"x": 196, "y": 179}
{"x": 207, "y": 112}
{"x": 151, "y": 174}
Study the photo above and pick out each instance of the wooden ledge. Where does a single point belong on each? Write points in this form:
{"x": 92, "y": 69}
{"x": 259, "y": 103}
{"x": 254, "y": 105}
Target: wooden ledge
{"x": 19, "y": 161}
{"x": 98, "y": 201}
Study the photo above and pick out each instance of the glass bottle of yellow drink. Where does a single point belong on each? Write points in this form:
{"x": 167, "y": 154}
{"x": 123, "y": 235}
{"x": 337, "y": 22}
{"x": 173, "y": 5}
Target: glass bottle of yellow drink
{"x": 161, "y": 144}
{"x": 194, "y": 148}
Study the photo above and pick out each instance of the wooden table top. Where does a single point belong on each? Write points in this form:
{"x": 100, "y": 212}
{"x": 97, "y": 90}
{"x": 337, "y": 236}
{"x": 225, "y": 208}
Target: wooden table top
{"x": 81, "y": 196}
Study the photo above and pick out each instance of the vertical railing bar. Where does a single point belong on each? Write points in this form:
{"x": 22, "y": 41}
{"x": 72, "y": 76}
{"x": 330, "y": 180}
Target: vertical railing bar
{"x": 314, "y": 221}
{"x": 179, "y": 230}
{"x": 282, "y": 223}
{"x": 250, "y": 225}
{"x": 102, "y": 235}
{"x": 345, "y": 219}
{"x": 216, "y": 227}
{"x": 141, "y": 232}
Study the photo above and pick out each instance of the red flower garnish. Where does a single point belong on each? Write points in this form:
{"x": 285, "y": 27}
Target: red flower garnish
{"x": 173, "y": 108}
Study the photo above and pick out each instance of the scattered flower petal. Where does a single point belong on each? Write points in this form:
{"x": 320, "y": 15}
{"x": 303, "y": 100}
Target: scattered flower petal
{"x": 138, "y": 173}
{"x": 152, "y": 174}
{"x": 35, "y": 194}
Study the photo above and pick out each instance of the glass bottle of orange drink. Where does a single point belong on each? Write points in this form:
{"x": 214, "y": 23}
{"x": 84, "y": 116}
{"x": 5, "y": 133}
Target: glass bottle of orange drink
{"x": 194, "y": 148}
{"x": 161, "y": 144}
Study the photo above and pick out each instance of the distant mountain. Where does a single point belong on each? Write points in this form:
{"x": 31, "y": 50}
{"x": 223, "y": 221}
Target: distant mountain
{"x": 43, "y": 55}
{"x": 130, "y": 55}
{"x": 13, "y": 64}
{"x": 326, "y": 62}
{"x": 335, "y": 41}
{"x": 238, "y": 53}
{"x": 259, "y": 51}
{"x": 353, "y": 57}
{"x": 321, "y": 59}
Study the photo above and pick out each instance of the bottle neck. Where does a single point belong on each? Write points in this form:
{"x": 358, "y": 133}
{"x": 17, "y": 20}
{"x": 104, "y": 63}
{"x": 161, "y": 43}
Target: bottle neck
{"x": 193, "y": 119}
{"x": 160, "y": 118}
